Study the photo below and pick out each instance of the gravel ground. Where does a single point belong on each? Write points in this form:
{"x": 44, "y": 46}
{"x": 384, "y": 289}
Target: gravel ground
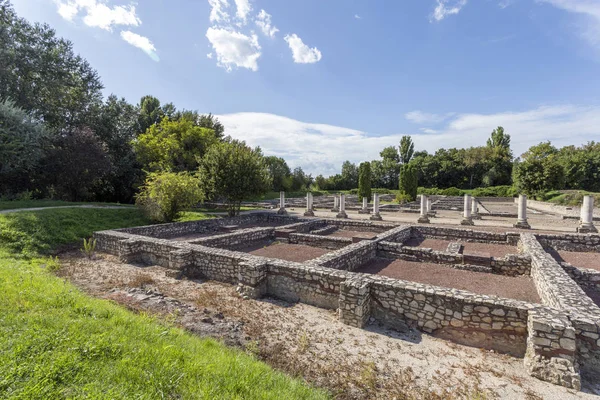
{"x": 494, "y": 250}
{"x": 577, "y": 259}
{"x": 305, "y": 341}
{"x": 284, "y": 251}
{"x": 519, "y": 288}
{"x": 350, "y": 234}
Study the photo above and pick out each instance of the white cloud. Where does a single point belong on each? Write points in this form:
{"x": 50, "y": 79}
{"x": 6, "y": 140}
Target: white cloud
{"x": 263, "y": 21}
{"x": 141, "y": 42}
{"x": 445, "y": 8}
{"x": 302, "y": 53}
{"x": 98, "y": 14}
{"x": 234, "y": 48}
{"x": 356, "y": 16}
{"x": 589, "y": 10}
{"x": 217, "y": 11}
{"x": 420, "y": 117}
{"x": 209, "y": 56}
{"x": 428, "y": 130}
{"x": 243, "y": 9}
{"x": 321, "y": 148}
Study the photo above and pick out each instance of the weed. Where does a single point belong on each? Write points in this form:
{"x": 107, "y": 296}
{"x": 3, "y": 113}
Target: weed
{"x": 89, "y": 247}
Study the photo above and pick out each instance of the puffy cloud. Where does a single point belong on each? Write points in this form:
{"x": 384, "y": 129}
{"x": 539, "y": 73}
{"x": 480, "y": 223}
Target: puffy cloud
{"x": 98, "y": 14}
{"x": 243, "y": 9}
{"x": 445, "y": 8}
{"x": 302, "y": 53}
{"x": 234, "y": 48}
{"x": 263, "y": 21}
{"x": 321, "y": 148}
{"x": 217, "y": 11}
{"x": 141, "y": 42}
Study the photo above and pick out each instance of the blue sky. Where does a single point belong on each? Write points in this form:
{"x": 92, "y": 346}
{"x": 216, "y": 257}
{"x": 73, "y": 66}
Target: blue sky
{"x": 318, "y": 82}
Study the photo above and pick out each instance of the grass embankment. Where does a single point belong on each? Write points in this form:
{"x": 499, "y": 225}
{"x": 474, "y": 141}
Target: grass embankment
{"x": 56, "y": 342}
{"x": 569, "y": 197}
{"x": 15, "y": 204}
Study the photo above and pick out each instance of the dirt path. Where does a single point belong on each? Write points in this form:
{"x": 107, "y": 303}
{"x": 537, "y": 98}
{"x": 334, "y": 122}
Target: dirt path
{"x": 370, "y": 363}
{"x": 55, "y": 207}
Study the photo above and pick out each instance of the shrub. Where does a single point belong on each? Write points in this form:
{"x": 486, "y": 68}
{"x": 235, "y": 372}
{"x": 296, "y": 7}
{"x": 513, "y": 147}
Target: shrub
{"x": 408, "y": 181}
{"x": 165, "y": 194}
{"x": 403, "y": 198}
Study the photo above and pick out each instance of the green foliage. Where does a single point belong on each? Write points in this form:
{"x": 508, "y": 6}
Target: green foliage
{"x": 364, "y": 180}
{"x": 407, "y": 148}
{"x": 494, "y": 191}
{"x": 403, "y": 198}
{"x": 568, "y": 197}
{"x": 539, "y": 170}
{"x": 165, "y": 194}
{"x": 173, "y": 145}
{"x": 388, "y": 171}
{"x": 21, "y": 147}
{"x": 233, "y": 172}
{"x": 300, "y": 180}
{"x": 408, "y": 181}
{"x": 89, "y": 247}
{"x": 279, "y": 173}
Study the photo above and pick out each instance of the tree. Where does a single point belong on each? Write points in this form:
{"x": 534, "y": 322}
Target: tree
{"x": 233, "y": 172}
{"x": 539, "y": 170}
{"x": 300, "y": 180}
{"x": 21, "y": 148}
{"x": 364, "y": 180}
{"x": 173, "y": 145}
{"x": 500, "y": 160}
{"x": 150, "y": 113}
{"x": 349, "y": 176}
{"x": 279, "y": 173}
{"x": 408, "y": 181}
{"x": 499, "y": 140}
{"x": 74, "y": 164}
{"x": 165, "y": 194}
{"x": 42, "y": 74}
{"x": 391, "y": 166}
{"x": 407, "y": 148}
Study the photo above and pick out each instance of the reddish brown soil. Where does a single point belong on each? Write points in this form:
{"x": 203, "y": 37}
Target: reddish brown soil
{"x": 519, "y": 288}
{"x": 284, "y": 251}
{"x": 349, "y": 234}
{"x": 578, "y": 259}
{"x": 494, "y": 250}
{"x": 193, "y": 236}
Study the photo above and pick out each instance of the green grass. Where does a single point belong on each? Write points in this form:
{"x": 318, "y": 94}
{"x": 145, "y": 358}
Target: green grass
{"x": 56, "y": 342}
{"x": 568, "y": 197}
{"x": 12, "y": 204}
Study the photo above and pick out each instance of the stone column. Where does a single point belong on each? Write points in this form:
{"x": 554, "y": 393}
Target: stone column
{"x": 428, "y": 205}
{"x": 336, "y": 204}
{"x": 342, "y": 213}
{"x": 522, "y": 213}
{"x": 474, "y": 209}
{"x": 365, "y": 206}
{"x": 423, "y": 218}
{"x": 467, "y": 220}
{"x": 309, "y": 207}
{"x": 376, "y": 216}
{"x": 586, "y": 224}
{"x": 282, "y": 203}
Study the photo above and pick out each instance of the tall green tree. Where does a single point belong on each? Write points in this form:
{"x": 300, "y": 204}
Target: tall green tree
{"x": 406, "y": 149}
{"x": 349, "y": 176}
{"x": 364, "y": 180}
{"x": 231, "y": 171}
{"x": 150, "y": 113}
{"x": 408, "y": 181}
{"x": 279, "y": 173}
{"x": 390, "y": 165}
{"x": 539, "y": 170}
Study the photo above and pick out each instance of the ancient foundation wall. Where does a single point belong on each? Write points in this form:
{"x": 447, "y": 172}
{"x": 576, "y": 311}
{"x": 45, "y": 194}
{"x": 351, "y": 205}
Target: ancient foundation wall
{"x": 324, "y": 242}
{"x": 467, "y": 235}
{"x": 237, "y": 238}
{"x": 571, "y": 242}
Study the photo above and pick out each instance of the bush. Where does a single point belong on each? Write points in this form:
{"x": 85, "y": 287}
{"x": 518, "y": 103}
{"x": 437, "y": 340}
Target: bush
{"x": 166, "y": 194}
{"x": 408, "y": 181}
{"x": 364, "y": 180}
{"x": 403, "y": 198}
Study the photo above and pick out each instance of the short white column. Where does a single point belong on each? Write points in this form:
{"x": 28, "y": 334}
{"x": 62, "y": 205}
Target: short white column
{"x": 336, "y": 204}
{"x": 474, "y": 209}
{"x": 282, "y": 203}
{"x": 365, "y": 206}
{"x": 423, "y": 218}
{"x": 342, "y": 213}
{"x": 376, "y": 216}
{"x": 522, "y": 213}
{"x": 428, "y": 205}
{"x": 467, "y": 220}
{"x": 309, "y": 207}
{"x": 586, "y": 224}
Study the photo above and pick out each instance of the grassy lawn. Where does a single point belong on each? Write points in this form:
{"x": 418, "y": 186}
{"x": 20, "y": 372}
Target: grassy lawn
{"x": 9, "y": 205}
{"x": 56, "y": 342}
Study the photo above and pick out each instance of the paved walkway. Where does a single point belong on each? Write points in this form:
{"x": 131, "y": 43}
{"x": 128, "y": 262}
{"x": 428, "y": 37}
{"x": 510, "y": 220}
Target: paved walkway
{"x": 54, "y": 207}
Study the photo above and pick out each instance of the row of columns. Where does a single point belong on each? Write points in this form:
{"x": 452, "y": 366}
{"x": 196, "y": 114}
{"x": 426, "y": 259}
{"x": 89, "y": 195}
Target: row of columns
{"x": 470, "y": 210}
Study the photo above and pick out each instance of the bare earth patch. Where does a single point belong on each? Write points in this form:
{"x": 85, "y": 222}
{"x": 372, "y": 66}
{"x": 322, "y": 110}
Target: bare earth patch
{"x": 434, "y": 244}
{"x": 350, "y": 234}
{"x": 519, "y": 288}
{"x": 493, "y": 249}
{"x": 283, "y": 251}
{"x": 578, "y": 259}
{"x": 371, "y": 363}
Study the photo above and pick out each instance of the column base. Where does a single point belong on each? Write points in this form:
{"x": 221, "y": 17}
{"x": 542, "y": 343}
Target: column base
{"x": 467, "y": 221}
{"x": 587, "y": 229}
{"x": 476, "y": 216}
{"x": 309, "y": 214}
{"x": 423, "y": 219}
{"x": 282, "y": 211}
{"x": 376, "y": 217}
{"x": 522, "y": 225}
{"x": 342, "y": 214}
{"x": 334, "y": 210}
{"x": 363, "y": 211}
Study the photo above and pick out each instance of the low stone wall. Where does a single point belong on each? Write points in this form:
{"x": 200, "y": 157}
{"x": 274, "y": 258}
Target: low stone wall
{"x": 324, "y": 242}
{"x": 324, "y": 231}
{"x": 235, "y": 239}
{"x": 571, "y": 241}
{"x": 510, "y": 265}
{"x": 361, "y": 225}
{"x": 348, "y": 258}
{"x": 467, "y": 235}
{"x": 586, "y": 278}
